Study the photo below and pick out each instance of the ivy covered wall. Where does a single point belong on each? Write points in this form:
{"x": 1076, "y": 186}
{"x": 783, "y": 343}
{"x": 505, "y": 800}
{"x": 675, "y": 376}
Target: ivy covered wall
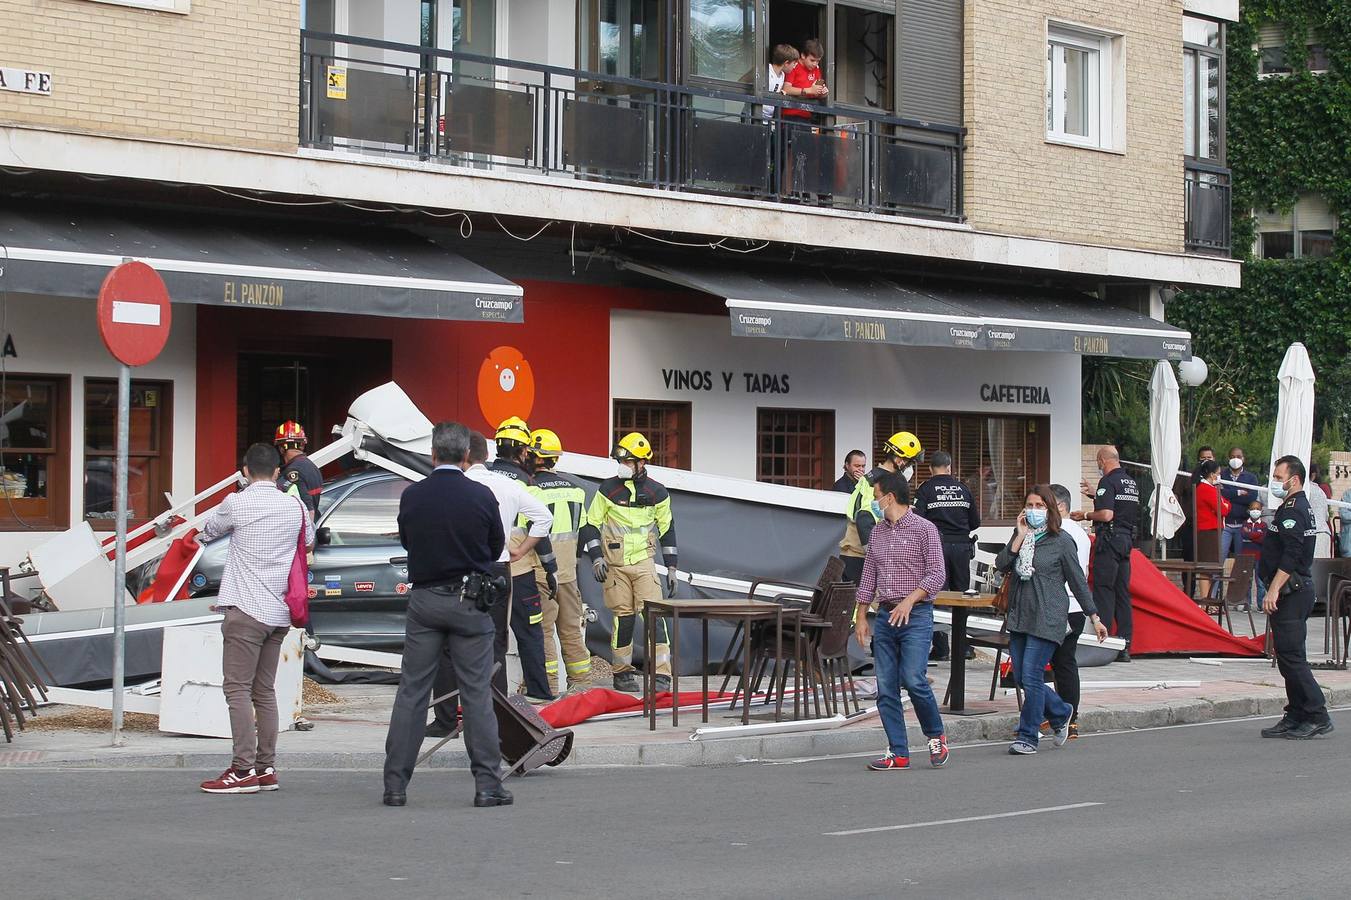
{"x": 1287, "y": 135}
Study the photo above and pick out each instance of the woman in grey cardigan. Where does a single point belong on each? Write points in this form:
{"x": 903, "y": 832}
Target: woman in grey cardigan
{"x": 1041, "y": 560}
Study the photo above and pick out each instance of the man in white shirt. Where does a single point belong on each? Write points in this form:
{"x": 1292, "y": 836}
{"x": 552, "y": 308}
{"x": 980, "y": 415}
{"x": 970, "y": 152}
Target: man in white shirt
{"x": 782, "y": 59}
{"x": 1064, "y": 664}
{"x": 514, "y": 500}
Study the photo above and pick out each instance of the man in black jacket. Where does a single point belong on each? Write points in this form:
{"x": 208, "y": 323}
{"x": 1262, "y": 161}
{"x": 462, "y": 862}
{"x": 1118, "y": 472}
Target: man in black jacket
{"x": 451, "y": 529}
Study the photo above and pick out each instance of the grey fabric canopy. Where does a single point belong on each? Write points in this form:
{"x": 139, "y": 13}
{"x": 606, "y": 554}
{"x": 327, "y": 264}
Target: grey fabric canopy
{"x": 821, "y": 305}
{"x": 230, "y": 261}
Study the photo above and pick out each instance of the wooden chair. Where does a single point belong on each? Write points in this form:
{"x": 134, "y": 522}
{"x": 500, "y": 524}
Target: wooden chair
{"x": 836, "y": 599}
{"x": 831, "y": 649}
{"x": 1237, "y": 583}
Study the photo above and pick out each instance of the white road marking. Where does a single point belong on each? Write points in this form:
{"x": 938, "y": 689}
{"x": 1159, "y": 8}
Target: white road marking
{"x": 1007, "y": 815}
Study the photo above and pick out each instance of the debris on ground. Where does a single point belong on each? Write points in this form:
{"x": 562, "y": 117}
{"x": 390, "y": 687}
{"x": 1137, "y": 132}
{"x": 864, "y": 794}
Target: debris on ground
{"x": 91, "y": 720}
{"x": 600, "y": 670}
{"x": 312, "y": 693}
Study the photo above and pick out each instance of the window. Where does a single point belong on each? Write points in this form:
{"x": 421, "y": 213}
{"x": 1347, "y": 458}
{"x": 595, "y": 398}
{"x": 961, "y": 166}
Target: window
{"x": 34, "y": 461}
{"x": 1203, "y": 88}
{"x": 1081, "y": 104}
{"x": 665, "y": 425}
{"x": 1272, "y": 52}
{"x": 622, "y": 37}
{"x": 863, "y": 58}
{"x": 173, "y": 6}
{"x": 368, "y": 516}
{"x": 795, "y": 447}
{"x": 999, "y": 457}
{"x": 722, "y": 40}
{"x": 1306, "y": 232}
{"x": 150, "y": 465}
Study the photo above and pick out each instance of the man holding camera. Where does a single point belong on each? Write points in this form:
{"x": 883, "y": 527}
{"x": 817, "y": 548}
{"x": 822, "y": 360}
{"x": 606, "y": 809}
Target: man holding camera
{"x": 450, "y": 527}
{"x": 1286, "y": 568}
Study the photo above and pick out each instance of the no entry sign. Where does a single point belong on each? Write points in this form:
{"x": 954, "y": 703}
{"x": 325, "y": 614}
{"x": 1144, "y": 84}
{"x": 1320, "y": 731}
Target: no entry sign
{"x": 133, "y": 312}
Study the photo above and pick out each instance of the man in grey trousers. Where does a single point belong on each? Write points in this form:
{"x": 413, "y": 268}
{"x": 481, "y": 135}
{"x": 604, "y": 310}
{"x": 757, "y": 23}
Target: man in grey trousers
{"x": 451, "y": 529}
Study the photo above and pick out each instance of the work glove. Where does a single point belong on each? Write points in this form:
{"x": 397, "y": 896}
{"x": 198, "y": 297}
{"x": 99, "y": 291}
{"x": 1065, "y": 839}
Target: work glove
{"x": 671, "y": 569}
{"x": 601, "y": 568}
{"x": 551, "y": 581}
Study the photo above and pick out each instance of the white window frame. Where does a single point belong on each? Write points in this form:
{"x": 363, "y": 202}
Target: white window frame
{"x": 1105, "y": 115}
{"x": 182, "y": 7}
{"x": 1271, "y": 223}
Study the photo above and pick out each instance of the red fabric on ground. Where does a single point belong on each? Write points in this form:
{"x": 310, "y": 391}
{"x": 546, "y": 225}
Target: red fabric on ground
{"x": 1168, "y": 621}
{"x": 178, "y": 557}
{"x": 600, "y": 701}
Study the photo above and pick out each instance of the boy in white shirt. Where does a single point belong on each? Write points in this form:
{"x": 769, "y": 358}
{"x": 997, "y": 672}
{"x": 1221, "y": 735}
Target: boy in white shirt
{"x": 782, "y": 59}
{"x": 1064, "y": 664}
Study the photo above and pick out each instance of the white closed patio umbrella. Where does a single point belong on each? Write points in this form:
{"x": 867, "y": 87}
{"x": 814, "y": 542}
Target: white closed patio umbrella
{"x": 1165, "y": 450}
{"x": 1294, "y": 415}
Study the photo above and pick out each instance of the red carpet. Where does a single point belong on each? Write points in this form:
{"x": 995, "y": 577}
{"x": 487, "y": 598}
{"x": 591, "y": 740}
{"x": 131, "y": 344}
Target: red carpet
{"x": 599, "y": 701}
{"x": 1168, "y": 621}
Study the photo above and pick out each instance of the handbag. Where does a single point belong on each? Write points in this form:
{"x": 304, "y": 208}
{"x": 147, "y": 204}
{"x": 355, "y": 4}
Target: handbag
{"x": 298, "y": 582}
{"x": 1001, "y": 596}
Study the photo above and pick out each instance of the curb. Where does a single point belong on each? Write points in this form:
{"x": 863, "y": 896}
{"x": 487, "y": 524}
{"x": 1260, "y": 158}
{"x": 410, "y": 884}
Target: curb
{"x": 846, "y": 741}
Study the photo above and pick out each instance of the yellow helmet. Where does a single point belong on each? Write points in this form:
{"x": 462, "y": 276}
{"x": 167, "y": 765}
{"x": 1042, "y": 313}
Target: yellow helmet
{"x": 513, "y": 431}
{"x": 903, "y": 444}
{"x": 632, "y": 446}
{"x": 545, "y": 443}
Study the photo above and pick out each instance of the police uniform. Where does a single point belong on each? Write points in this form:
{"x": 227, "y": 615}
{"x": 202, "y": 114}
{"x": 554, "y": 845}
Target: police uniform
{"x": 1289, "y": 547}
{"x": 860, "y": 524}
{"x": 563, "y": 611}
{"x": 1112, "y": 545}
{"x": 301, "y": 478}
{"x": 627, "y": 519}
{"x": 948, "y": 503}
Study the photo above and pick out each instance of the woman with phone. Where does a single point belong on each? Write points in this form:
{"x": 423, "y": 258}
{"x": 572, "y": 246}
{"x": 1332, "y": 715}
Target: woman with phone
{"x": 1042, "y": 561}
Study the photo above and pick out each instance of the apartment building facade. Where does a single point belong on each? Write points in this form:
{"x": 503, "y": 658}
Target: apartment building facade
{"x": 592, "y": 213}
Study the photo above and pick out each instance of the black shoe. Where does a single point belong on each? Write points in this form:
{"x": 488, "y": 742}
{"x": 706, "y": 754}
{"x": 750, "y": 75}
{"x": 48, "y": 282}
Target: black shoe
{"x": 395, "y": 798}
{"x": 1123, "y": 656}
{"x": 499, "y": 796}
{"x": 970, "y": 652}
{"x": 439, "y": 730}
{"x": 1280, "y": 729}
{"x": 628, "y": 683}
{"x": 1306, "y": 730}
{"x": 663, "y": 683}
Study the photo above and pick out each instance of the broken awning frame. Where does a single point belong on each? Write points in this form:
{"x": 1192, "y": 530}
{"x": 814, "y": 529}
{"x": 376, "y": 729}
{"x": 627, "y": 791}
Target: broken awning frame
{"x": 876, "y": 311}
{"x": 311, "y": 269}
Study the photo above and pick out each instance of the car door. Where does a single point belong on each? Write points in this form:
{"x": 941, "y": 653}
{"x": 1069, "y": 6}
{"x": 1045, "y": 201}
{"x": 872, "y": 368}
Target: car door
{"x": 358, "y": 597}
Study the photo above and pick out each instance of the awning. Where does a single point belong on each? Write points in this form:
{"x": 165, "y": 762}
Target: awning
{"x": 236, "y": 262}
{"x": 820, "y": 305}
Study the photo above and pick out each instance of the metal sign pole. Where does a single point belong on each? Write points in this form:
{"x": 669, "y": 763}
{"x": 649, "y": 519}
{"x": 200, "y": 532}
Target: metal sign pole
{"x": 120, "y": 566}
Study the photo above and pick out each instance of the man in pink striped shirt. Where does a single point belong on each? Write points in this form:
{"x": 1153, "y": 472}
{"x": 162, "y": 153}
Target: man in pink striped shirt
{"x": 903, "y": 571}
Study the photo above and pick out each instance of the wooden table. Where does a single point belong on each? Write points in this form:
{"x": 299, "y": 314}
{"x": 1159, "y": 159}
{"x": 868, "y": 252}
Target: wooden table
{"x": 744, "y": 611}
{"x": 1189, "y": 570}
{"x": 961, "y": 605}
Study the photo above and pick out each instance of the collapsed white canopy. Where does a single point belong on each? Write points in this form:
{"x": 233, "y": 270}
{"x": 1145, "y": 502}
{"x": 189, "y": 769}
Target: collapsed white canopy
{"x": 1294, "y": 416}
{"x": 1165, "y": 450}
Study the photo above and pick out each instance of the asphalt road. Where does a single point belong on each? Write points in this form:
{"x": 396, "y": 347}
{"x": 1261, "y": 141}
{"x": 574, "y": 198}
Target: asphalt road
{"x": 1204, "y": 811}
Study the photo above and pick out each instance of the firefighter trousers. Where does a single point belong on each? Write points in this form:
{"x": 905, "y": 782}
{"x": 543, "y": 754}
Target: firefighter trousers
{"x": 626, "y": 591}
{"x": 563, "y": 616}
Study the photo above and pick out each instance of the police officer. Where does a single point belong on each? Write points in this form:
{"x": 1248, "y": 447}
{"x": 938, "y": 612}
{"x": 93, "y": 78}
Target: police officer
{"x": 1286, "y": 567}
{"x": 1116, "y": 511}
{"x": 897, "y": 455}
{"x": 629, "y": 516}
{"x": 948, "y": 503}
{"x": 299, "y": 476}
{"x": 563, "y": 609}
{"x": 453, "y": 534}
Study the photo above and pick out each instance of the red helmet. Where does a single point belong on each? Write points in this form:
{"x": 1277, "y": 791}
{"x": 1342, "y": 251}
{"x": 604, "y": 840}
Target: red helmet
{"x": 290, "y": 432}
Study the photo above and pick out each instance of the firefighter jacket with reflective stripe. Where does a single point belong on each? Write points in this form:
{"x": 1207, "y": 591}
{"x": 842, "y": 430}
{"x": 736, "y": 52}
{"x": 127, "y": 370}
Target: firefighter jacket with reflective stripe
{"x": 566, "y": 501}
{"x": 627, "y": 518}
{"x": 860, "y": 516}
{"x": 544, "y": 551}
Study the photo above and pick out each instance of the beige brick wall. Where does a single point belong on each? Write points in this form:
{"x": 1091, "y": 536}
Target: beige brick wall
{"x": 1017, "y": 183}
{"x": 223, "y": 74}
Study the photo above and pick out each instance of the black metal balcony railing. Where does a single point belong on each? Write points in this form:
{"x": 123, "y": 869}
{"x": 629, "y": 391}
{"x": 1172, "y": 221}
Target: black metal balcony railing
{"x": 483, "y": 112}
{"x": 1207, "y": 202}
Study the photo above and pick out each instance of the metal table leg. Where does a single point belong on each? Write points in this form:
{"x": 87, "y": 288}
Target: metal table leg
{"x": 675, "y": 667}
{"x": 746, "y": 678}
{"x": 703, "y": 663}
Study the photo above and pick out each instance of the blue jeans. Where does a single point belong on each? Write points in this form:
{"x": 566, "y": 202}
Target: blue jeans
{"x": 1231, "y": 541}
{"x": 1029, "y": 655}
{"x": 901, "y": 658}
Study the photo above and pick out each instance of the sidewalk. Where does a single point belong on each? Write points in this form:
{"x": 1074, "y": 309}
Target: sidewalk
{"x": 350, "y": 734}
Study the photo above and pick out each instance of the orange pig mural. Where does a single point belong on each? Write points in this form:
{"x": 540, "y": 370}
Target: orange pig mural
{"x": 506, "y": 386}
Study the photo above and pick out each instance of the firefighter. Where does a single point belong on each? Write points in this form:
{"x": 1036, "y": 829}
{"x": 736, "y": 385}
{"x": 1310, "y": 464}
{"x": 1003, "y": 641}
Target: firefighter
{"x": 562, "y": 611}
{"x": 629, "y": 516}
{"x": 299, "y": 476}
{"x": 527, "y": 616}
{"x": 898, "y": 454}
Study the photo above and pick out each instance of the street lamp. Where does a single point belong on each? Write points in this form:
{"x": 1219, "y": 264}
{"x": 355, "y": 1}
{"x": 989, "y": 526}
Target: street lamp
{"x": 1193, "y": 372}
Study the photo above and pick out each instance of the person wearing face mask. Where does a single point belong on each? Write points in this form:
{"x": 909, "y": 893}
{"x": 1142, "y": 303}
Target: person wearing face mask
{"x": 1231, "y": 538}
{"x": 1043, "y": 561}
{"x": 1211, "y": 511}
{"x": 1286, "y": 568}
{"x": 902, "y": 572}
{"x": 1116, "y": 511}
{"x": 898, "y": 454}
{"x": 629, "y": 516}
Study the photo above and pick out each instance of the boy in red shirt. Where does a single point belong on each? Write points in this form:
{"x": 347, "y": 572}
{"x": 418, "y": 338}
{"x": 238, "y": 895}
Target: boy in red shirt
{"x": 804, "y": 81}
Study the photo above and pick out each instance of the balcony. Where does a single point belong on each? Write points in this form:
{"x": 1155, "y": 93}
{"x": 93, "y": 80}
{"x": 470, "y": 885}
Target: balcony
{"x": 1208, "y": 214}
{"x": 378, "y": 97}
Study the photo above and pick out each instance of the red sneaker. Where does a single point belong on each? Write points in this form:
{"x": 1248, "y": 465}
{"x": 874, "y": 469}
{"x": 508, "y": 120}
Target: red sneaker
{"x": 938, "y": 751}
{"x": 890, "y": 762}
{"x": 267, "y": 779}
{"x": 232, "y": 782}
